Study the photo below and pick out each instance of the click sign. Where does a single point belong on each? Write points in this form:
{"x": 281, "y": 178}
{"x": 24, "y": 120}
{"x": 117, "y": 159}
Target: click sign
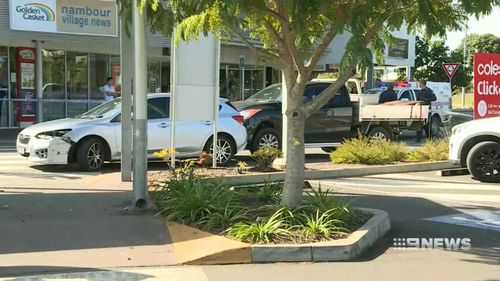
{"x": 450, "y": 69}
{"x": 92, "y": 17}
{"x": 486, "y": 85}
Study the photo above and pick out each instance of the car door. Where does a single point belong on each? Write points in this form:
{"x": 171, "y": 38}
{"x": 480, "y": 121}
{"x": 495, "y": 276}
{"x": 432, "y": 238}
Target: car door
{"x": 341, "y": 111}
{"x": 158, "y": 124}
{"x": 317, "y": 126}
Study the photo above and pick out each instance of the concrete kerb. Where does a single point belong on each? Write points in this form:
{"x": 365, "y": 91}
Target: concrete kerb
{"x": 195, "y": 247}
{"x": 341, "y": 173}
{"x": 335, "y": 250}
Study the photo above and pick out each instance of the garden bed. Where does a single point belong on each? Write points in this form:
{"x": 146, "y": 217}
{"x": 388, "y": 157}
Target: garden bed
{"x": 252, "y": 214}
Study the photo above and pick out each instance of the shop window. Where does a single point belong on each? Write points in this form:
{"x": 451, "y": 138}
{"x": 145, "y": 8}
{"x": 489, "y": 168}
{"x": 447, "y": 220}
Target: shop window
{"x": 154, "y": 74}
{"x": 53, "y": 91}
{"x": 99, "y": 71}
{"x": 76, "y": 83}
{"x": 4, "y": 87}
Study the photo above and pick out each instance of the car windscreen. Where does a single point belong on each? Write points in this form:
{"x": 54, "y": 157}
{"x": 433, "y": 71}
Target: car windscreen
{"x": 271, "y": 93}
{"x": 103, "y": 110}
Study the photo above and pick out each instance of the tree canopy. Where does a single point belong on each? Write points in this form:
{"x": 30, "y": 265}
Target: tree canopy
{"x": 486, "y": 43}
{"x": 296, "y": 33}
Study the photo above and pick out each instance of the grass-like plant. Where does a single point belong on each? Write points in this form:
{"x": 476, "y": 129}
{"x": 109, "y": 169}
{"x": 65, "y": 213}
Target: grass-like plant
{"x": 269, "y": 192}
{"x": 364, "y": 150}
{"x": 322, "y": 225}
{"x": 433, "y": 150}
{"x": 264, "y": 230}
{"x": 232, "y": 214}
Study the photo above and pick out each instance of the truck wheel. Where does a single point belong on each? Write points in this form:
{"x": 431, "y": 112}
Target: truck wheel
{"x": 329, "y": 149}
{"x": 267, "y": 137}
{"x": 435, "y": 127}
{"x": 483, "y": 161}
{"x": 380, "y": 133}
{"x": 90, "y": 154}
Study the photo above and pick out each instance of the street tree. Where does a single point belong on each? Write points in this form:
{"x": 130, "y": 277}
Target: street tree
{"x": 296, "y": 33}
{"x": 429, "y": 57}
{"x": 485, "y": 43}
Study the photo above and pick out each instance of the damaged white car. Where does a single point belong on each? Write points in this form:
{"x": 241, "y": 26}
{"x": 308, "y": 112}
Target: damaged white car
{"x": 94, "y": 137}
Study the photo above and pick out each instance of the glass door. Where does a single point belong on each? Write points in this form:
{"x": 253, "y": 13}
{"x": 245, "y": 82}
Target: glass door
{"x": 4, "y": 87}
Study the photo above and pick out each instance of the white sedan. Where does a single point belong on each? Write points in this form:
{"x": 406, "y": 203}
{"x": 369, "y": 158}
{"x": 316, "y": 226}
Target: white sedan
{"x": 93, "y": 137}
{"x": 476, "y": 145}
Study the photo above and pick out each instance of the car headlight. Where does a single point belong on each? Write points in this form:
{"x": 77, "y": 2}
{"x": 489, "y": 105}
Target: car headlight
{"x": 459, "y": 128}
{"x": 52, "y": 134}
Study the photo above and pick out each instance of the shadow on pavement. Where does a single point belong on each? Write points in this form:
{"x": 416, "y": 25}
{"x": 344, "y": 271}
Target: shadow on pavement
{"x": 37, "y": 222}
{"x": 73, "y": 273}
{"x": 407, "y": 214}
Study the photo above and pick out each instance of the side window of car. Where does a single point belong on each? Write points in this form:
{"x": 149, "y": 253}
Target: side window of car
{"x": 158, "y": 108}
{"x": 417, "y": 93}
{"x": 340, "y": 99}
{"x": 309, "y": 93}
{"x": 405, "y": 95}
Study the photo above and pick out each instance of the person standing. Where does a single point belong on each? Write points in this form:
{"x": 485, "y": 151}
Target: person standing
{"x": 426, "y": 96}
{"x": 109, "y": 90}
{"x": 388, "y": 95}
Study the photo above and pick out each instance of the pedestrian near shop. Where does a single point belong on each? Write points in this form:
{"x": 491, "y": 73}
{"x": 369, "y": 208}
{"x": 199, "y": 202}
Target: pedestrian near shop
{"x": 109, "y": 90}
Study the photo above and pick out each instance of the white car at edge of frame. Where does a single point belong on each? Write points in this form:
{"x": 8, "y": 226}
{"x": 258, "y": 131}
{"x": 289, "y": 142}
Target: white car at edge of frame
{"x": 476, "y": 145}
{"x": 91, "y": 138}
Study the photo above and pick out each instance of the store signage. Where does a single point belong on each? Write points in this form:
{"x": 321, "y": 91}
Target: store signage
{"x": 91, "y": 17}
{"x": 399, "y": 49}
{"x": 486, "y": 85}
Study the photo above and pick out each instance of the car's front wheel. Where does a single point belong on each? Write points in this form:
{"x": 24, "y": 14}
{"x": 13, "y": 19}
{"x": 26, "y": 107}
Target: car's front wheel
{"x": 226, "y": 149}
{"x": 90, "y": 154}
{"x": 483, "y": 161}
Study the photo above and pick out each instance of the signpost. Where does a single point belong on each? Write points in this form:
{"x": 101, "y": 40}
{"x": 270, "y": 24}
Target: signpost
{"x": 486, "y": 85}
{"x": 450, "y": 69}
{"x": 242, "y": 76}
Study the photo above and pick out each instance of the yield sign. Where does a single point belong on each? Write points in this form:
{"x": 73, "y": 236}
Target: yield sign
{"x": 450, "y": 69}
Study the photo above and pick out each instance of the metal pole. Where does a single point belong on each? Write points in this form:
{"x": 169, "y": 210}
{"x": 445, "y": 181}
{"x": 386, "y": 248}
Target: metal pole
{"x": 173, "y": 90}
{"x": 39, "y": 79}
{"x": 465, "y": 64}
{"x": 140, "y": 110}
{"x": 127, "y": 74}
{"x": 242, "y": 83}
{"x": 216, "y": 100}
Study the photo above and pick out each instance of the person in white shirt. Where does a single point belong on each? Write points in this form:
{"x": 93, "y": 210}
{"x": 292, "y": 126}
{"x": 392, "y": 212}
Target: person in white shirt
{"x": 109, "y": 90}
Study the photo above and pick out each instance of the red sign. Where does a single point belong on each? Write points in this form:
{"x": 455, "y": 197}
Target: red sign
{"x": 450, "y": 69}
{"x": 486, "y": 85}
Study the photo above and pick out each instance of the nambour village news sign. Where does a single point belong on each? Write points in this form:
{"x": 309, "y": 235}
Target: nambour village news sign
{"x": 91, "y": 17}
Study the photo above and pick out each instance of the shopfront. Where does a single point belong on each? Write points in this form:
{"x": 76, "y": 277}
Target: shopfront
{"x": 55, "y": 66}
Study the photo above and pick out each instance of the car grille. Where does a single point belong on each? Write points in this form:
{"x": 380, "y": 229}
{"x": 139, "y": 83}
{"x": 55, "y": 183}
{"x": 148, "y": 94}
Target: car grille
{"x": 24, "y": 139}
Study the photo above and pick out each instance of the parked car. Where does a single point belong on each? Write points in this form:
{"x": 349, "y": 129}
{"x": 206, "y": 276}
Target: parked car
{"x": 93, "y": 137}
{"x": 341, "y": 118}
{"x": 476, "y": 145}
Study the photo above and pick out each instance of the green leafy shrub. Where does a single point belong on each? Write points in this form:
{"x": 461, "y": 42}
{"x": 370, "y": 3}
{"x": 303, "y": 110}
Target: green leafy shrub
{"x": 241, "y": 167}
{"x": 265, "y": 157}
{"x": 270, "y": 192}
{"x": 433, "y": 150}
{"x": 369, "y": 151}
{"x": 191, "y": 199}
{"x": 263, "y": 231}
{"x": 323, "y": 201}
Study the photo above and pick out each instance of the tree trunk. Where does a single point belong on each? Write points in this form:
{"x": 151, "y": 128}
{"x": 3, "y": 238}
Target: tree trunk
{"x": 295, "y": 154}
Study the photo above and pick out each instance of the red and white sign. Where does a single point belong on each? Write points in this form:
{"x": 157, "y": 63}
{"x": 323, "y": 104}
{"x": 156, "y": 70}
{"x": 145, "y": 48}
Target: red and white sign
{"x": 450, "y": 69}
{"x": 486, "y": 85}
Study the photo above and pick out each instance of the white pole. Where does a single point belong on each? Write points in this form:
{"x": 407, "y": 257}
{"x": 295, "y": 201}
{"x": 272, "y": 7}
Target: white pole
{"x": 173, "y": 90}
{"x": 127, "y": 74}
{"x": 216, "y": 101}
{"x": 465, "y": 64}
{"x": 140, "y": 110}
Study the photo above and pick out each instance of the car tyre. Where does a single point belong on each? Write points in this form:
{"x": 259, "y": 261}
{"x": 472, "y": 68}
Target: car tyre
{"x": 483, "y": 161}
{"x": 227, "y": 146}
{"x": 90, "y": 154}
{"x": 328, "y": 149}
{"x": 435, "y": 131}
{"x": 381, "y": 133}
{"x": 266, "y": 137}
